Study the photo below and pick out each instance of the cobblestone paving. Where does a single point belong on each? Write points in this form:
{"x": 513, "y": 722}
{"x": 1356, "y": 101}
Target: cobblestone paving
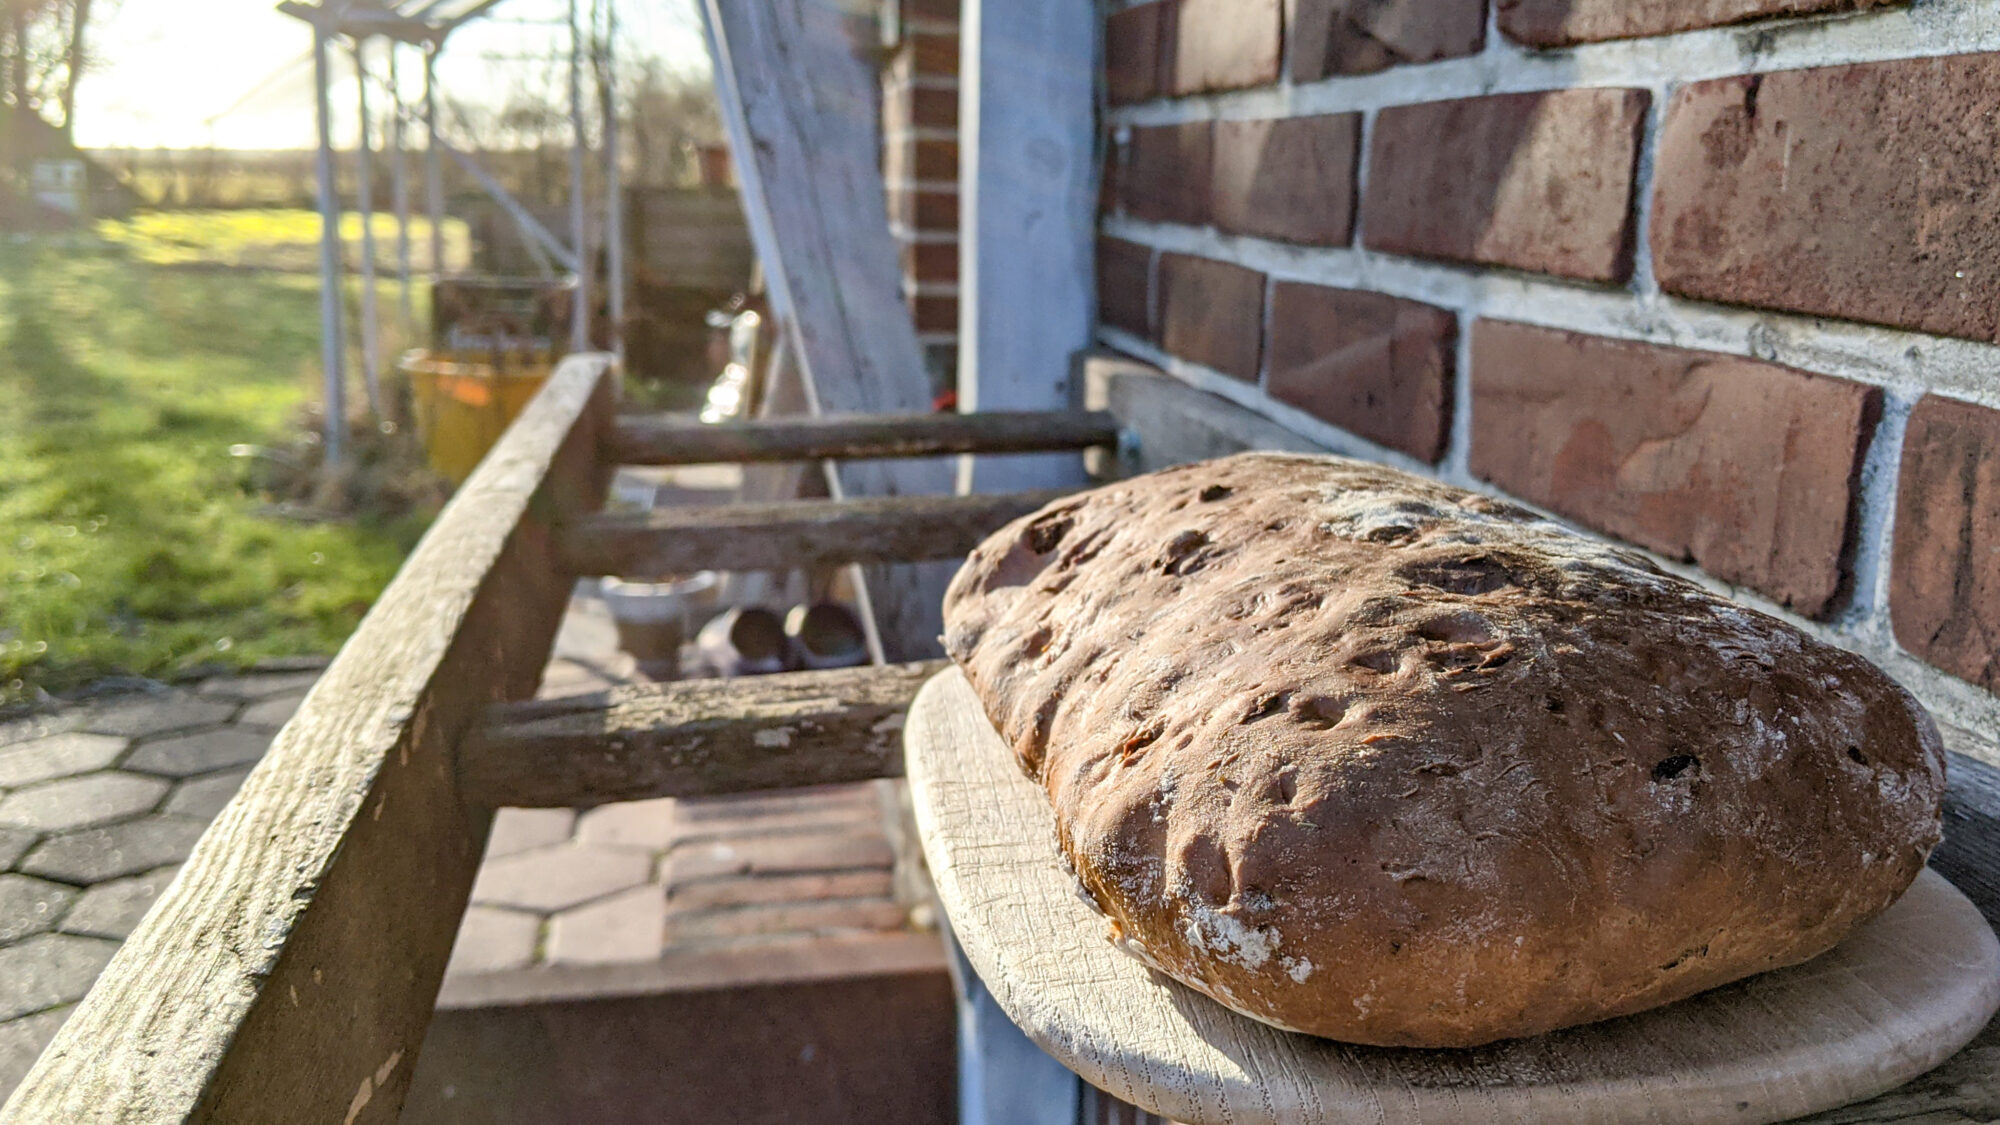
{"x": 99, "y": 804}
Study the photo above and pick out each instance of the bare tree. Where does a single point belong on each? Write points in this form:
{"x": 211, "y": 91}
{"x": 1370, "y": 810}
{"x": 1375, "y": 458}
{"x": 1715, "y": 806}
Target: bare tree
{"x": 44, "y": 54}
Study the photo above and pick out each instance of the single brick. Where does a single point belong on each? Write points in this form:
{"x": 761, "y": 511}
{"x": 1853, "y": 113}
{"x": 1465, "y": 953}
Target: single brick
{"x": 1291, "y": 178}
{"x": 647, "y": 824}
{"x": 1558, "y": 23}
{"x": 923, "y": 208}
{"x": 1224, "y": 45}
{"x": 930, "y": 261}
{"x": 558, "y": 877}
{"x": 1868, "y": 192}
{"x": 1124, "y": 285}
{"x": 776, "y": 855}
{"x": 1332, "y": 37}
{"x": 1378, "y": 365}
{"x": 830, "y": 916}
{"x": 934, "y": 314}
{"x": 754, "y": 890}
{"x": 930, "y": 53}
{"x": 1944, "y": 574}
{"x": 1746, "y": 468}
{"x": 1212, "y": 313}
{"x": 905, "y": 107}
{"x": 910, "y": 158}
{"x": 274, "y": 712}
{"x": 49, "y": 969}
{"x": 1164, "y": 175}
{"x": 203, "y": 798}
{"x": 1133, "y": 42}
{"x": 189, "y": 754}
{"x": 1539, "y": 181}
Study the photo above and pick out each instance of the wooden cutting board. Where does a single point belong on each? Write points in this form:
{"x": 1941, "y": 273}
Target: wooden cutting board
{"x": 1898, "y": 997}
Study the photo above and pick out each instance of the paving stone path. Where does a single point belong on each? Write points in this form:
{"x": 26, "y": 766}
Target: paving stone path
{"x": 100, "y": 802}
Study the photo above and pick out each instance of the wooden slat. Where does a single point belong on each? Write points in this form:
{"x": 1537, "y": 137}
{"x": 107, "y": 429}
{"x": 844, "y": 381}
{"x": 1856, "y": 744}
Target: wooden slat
{"x": 802, "y": 110}
{"x": 694, "y": 739}
{"x": 787, "y": 534}
{"x": 676, "y": 441}
{"x": 288, "y": 973}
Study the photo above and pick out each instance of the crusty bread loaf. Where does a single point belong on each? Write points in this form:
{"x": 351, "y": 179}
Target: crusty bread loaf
{"x": 1369, "y": 757}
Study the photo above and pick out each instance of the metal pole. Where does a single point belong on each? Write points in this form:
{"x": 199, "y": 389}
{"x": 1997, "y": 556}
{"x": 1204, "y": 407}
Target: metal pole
{"x": 614, "y": 189}
{"x": 365, "y": 187}
{"x": 333, "y": 361}
{"x": 400, "y": 173}
{"x": 433, "y": 170}
{"x": 579, "y": 327}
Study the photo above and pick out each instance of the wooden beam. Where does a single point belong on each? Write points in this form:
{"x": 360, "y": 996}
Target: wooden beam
{"x": 1028, "y": 199}
{"x": 786, "y": 534}
{"x": 288, "y": 973}
{"x": 801, "y": 110}
{"x": 694, "y": 739}
{"x": 670, "y": 440}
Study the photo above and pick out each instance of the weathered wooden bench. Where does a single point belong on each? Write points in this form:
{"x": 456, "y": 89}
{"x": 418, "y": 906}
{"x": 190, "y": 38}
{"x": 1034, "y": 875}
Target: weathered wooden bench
{"x": 290, "y": 972}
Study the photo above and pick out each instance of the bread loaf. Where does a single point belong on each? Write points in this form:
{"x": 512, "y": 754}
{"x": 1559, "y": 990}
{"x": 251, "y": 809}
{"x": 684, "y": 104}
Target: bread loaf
{"x": 1369, "y": 757}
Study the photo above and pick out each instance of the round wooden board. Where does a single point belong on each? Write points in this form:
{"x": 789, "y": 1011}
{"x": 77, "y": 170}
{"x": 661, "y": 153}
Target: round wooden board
{"x": 1897, "y": 998}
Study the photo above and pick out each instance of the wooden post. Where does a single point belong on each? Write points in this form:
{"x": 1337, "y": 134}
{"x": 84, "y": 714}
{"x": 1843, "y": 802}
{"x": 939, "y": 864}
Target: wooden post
{"x": 1027, "y": 218}
{"x": 332, "y": 330}
{"x": 364, "y": 158}
{"x": 433, "y": 170}
{"x": 800, "y": 109}
{"x": 579, "y": 324}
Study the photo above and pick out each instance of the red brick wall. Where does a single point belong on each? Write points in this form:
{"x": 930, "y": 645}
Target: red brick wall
{"x": 920, "y": 167}
{"x": 1719, "y": 278}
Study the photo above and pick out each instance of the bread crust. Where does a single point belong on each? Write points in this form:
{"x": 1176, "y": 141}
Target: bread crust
{"x": 1365, "y": 756}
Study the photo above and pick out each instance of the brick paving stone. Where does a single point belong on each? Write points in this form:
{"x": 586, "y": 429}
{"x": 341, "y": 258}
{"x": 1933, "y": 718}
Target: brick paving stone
{"x": 22, "y": 1042}
{"x": 518, "y": 830}
{"x": 788, "y": 918}
{"x": 81, "y": 802}
{"x": 136, "y": 716}
{"x": 858, "y": 796}
{"x": 112, "y": 910}
{"x": 625, "y": 927}
{"x": 47, "y": 970}
{"x": 858, "y": 821}
{"x": 274, "y": 712}
{"x": 559, "y": 877}
{"x": 776, "y": 855}
{"x": 14, "y": 843}
{"x": 631, "y": 824}
{"x": 491, "y": 940}
{"x": 30, "y": 906}
{"x": 203, "y": 797}
{"x": 58, "y": 755}
{"x": 756, "y": 890}
{"x": 187, "y": 755}
{"x": 39, "y": 725}
{"x": 253, "y": 686}
{"x": 97, "y": 854}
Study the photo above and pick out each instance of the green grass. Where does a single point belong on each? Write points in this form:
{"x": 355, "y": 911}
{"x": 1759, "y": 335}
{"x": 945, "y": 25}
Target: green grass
{"x": 130, "y": 541}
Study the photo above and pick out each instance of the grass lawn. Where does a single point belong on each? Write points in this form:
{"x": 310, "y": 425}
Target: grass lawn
{"x": 130, "y": 541}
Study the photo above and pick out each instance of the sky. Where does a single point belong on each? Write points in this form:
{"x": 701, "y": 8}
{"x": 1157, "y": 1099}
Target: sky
{"x": 237, "y": 74}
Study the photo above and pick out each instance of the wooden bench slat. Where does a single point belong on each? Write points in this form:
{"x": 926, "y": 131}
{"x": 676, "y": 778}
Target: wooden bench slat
{"x": 288, "y": 974}
{"x": 695, "y": 738}
{"x": 668, "y": 440}
{"x": 788, "y": 534}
